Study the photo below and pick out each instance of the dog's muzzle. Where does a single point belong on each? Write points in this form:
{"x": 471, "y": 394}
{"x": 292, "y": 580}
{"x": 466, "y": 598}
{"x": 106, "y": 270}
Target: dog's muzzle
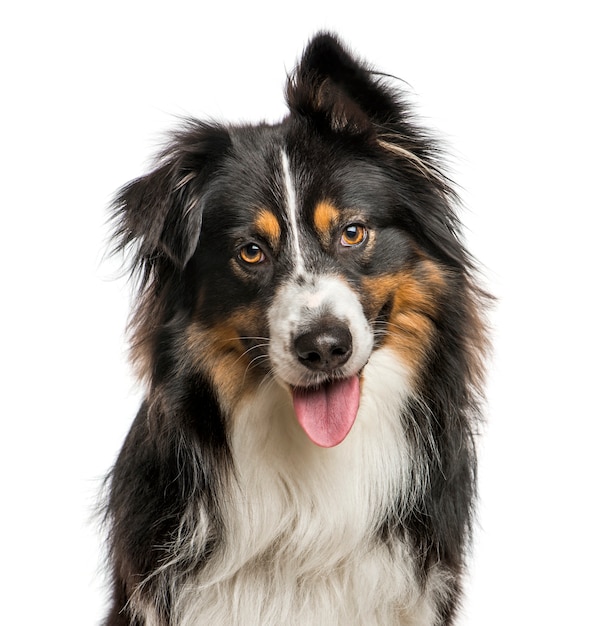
{"x": 320, "y": 340}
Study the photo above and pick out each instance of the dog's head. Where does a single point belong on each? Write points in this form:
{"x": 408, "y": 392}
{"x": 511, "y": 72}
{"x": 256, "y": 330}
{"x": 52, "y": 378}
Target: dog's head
{"x": 296, "y": 250}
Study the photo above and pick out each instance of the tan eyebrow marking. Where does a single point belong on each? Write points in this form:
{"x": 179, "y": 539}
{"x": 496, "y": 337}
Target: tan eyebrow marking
{"x": 268, "y": 226}
{"x": 325, "y": 217}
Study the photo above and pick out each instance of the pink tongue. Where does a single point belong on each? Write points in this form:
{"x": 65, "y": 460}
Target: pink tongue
{"x": 327, "y": 413}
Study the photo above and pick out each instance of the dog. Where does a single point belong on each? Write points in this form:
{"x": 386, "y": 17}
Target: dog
{"x": 310, "y": 331}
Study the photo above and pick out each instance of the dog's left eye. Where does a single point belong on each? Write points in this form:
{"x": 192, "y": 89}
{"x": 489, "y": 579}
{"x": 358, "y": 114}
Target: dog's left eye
{"x": 251, "y": 254}
{"x": 353, "y": 235}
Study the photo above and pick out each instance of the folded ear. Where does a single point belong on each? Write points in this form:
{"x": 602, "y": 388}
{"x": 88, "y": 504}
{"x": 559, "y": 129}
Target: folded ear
{"x": 332, "y": 88}
{"x": 160, "y": 214}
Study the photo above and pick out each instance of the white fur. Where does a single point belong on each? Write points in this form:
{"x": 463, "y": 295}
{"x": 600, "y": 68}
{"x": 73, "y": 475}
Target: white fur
{"x": 300, "y": 520}
{"x": 291, "y": 206}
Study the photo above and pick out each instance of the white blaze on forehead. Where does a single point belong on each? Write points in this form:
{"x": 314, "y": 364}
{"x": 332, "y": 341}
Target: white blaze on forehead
{"x": 291, "y": 209}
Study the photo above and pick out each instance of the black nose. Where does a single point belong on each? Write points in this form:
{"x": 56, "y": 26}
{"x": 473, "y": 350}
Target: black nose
{"x": 325, "y": 347}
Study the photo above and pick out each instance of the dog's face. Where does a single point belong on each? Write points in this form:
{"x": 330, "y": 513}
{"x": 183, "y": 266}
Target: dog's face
{"x": 292, "y": 252}
{"x": 301, "y": 271}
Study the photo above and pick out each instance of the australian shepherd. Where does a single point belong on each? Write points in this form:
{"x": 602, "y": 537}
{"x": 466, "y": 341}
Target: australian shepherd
{"x": 308, "y": 327}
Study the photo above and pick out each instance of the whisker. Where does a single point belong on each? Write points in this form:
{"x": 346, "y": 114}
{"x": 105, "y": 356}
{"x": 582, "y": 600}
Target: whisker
{"x": 256, "y": 362}
{"x": 258, "y": 346}
{"x": 242, "y": 338}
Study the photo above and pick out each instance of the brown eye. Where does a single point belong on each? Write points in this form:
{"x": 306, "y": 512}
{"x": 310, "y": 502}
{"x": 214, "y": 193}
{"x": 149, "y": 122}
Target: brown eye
{"x": 251, "y": 253}
{"x": 353, "y": 235}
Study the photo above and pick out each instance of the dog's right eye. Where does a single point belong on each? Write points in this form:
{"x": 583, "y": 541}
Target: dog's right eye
{"x": 251, "y": 253}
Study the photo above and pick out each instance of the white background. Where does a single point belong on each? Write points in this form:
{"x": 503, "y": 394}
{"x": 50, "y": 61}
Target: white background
{"x": 520, "y": 92}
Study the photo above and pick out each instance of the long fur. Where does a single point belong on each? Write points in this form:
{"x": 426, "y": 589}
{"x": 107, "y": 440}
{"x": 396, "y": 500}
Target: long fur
{"x": 220, "y": 510}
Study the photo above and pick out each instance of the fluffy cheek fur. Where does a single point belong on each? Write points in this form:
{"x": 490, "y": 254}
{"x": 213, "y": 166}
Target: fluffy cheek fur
{"x": 413, "y": 298}
{"x": 230, "y": 352}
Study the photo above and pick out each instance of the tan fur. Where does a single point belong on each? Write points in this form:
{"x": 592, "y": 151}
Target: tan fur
{"x": 269, "y": 228}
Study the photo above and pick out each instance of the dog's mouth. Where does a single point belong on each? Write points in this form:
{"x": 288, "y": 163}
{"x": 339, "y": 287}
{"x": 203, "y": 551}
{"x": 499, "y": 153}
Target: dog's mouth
{"x": 328, "y": 411}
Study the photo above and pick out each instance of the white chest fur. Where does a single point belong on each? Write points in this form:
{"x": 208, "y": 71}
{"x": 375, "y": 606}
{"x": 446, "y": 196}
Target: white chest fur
{"x": 300, "y": 520}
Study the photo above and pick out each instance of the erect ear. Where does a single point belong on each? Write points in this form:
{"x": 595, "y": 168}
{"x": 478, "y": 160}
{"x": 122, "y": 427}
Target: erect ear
{"x": 332, "y": 88}
{"x": 160, "y": 214}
